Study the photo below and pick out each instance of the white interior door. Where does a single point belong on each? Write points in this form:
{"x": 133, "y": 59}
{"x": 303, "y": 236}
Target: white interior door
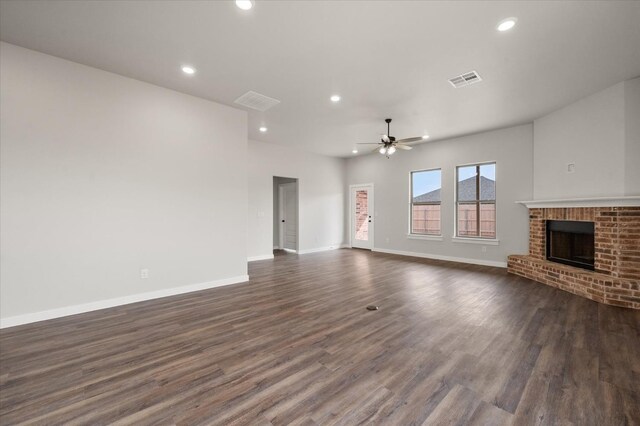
{"x": 362, "y": 216}
{"x": 289, "y": 216}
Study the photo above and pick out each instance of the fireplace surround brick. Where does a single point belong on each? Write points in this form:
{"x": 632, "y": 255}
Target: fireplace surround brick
{"x": 616, "y": 279}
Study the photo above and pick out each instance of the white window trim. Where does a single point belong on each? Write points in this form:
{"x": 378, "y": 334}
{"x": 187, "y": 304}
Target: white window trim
{"x": 476, "y": 240}
{"x": 410, "y": 234}
{"x": 427, "y": 237}
{"x": 472, "y": 240}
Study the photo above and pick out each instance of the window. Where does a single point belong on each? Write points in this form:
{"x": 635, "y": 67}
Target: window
{"x": 476, "y": 201}
{"x": 425, "y": 202}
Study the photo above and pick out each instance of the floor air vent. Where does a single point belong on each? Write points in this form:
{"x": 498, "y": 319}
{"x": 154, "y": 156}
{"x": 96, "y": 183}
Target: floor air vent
{"x": 256, "y": 101}
{"x": 465, "y": 79}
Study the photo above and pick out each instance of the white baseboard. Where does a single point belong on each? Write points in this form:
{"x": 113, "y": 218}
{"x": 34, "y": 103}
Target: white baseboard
{"x": 261, "y": 257}
{"x": 448, "y": 258}
{"x": 319, "y": 249}
{"x": 109, "y": 303}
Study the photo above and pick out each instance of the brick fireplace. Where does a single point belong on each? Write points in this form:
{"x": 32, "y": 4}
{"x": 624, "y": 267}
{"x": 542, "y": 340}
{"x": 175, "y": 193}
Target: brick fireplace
{"x": 615, "y": 279}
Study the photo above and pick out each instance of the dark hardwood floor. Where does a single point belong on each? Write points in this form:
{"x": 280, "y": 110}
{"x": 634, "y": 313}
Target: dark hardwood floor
{"x": 450, "y": 344}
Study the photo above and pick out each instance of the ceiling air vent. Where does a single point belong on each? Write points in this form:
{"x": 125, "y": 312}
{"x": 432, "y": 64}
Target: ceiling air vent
{"x": 257, "y": 101}
{"x": 465, "y": 79}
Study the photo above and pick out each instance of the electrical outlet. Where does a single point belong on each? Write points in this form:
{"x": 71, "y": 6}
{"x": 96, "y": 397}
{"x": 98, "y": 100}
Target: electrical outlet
{"x": 571, "y": 167}
{"x": 144, "y": 274}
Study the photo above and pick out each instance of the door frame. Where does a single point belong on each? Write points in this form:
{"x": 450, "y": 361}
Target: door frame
{"x": 281, "y": 216}
{"x": 370, "y": 207}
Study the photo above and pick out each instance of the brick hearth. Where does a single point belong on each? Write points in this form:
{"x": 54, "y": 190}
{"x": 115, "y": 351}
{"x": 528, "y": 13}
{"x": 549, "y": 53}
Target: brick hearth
{"x": 616, "y": 279}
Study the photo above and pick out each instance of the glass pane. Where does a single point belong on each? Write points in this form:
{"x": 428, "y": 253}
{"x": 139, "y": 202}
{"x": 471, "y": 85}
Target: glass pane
{"x": 488, "y": 220}
{"x": 425, "y": 219}
{"x": 467, "y": 183}
{"x": 426, "y": 186}
{"x": 467, "y": 220}
{"x": 362, "y": 215}
{"x": 488, "y": 182}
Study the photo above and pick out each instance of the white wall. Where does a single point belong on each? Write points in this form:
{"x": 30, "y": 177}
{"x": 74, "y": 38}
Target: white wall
{"x": 510, "y": 148}
{"x": 589, "y": 133}
{"x": 321, "y": 197}
{"x": 632, "y": 131}
{"x": 104, "y": 175}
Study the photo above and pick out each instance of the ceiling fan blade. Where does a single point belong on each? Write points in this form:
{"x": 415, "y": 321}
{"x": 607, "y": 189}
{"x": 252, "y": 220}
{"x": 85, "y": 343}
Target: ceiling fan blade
{"x": 369, "y": 143}
{"x": 409, "y": 140}
{"x": 405, "y": 147}
{"x": 376, "y": 149}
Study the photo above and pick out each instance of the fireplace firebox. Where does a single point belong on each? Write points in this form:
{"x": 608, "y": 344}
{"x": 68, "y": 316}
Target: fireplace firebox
{"x": 571, "y": 242}
{"x": 612, "y": 278}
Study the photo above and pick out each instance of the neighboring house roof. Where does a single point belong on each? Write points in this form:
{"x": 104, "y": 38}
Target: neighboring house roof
{"x": 466, "y": 191}
{"x": 428, "y": 197}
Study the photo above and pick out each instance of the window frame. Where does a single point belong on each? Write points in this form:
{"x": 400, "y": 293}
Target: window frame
{"x": 477, "y": 202}
{"x": 432, "y": 203}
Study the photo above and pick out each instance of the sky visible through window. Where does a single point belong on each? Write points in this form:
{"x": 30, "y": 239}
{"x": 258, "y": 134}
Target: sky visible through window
{"x": 486, "y": 170}
{"x": 430, "y": 180}
{"x": 427, "y": 181}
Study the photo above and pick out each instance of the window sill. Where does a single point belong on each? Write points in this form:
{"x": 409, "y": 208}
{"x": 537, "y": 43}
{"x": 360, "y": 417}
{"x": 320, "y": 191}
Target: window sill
{"x": 483, "y": 241}
{"x": 424, "y": 237}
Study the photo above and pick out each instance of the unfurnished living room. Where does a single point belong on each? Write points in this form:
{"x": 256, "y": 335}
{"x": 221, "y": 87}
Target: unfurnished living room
{"x": 263, "y": 212}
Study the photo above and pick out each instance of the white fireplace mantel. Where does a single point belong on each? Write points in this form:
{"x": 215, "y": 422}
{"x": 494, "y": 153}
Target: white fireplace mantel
{"x": 629, "y": 201}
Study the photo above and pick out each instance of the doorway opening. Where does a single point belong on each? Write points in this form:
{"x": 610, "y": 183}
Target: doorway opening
{"x": 285, "y": 215}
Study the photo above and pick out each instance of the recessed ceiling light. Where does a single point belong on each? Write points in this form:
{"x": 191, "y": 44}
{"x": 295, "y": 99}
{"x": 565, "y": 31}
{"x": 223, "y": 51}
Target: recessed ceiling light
{"x": 188, "y": 70}
{"x": 425, "y": 136}
{"x": 335, "y": 98}
{"x": 355, "y": 151}
{"x": 507, "y": 24}
{"x": 263, "y": 129}
{"x": 244, "y": 4}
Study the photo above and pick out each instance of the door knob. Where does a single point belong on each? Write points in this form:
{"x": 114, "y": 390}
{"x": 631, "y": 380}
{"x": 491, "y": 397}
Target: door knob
{"x": 282, "y": 220}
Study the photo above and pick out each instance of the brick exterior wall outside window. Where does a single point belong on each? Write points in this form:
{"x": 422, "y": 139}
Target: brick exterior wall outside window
{"x": 362, "y": 216}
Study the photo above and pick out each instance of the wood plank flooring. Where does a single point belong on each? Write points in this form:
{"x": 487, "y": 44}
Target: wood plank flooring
{"x": 451, "y": 344}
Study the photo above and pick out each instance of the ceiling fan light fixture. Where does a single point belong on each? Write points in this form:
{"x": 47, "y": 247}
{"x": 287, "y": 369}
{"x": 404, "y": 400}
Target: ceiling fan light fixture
{"x": 506, "y": 24}
{"x": 389, "y": 145}
{"x": 244, "y": 4}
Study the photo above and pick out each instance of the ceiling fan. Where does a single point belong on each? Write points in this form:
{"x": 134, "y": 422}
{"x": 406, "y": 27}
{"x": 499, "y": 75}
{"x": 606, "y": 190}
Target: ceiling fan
{"x": 388, "y": 144}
